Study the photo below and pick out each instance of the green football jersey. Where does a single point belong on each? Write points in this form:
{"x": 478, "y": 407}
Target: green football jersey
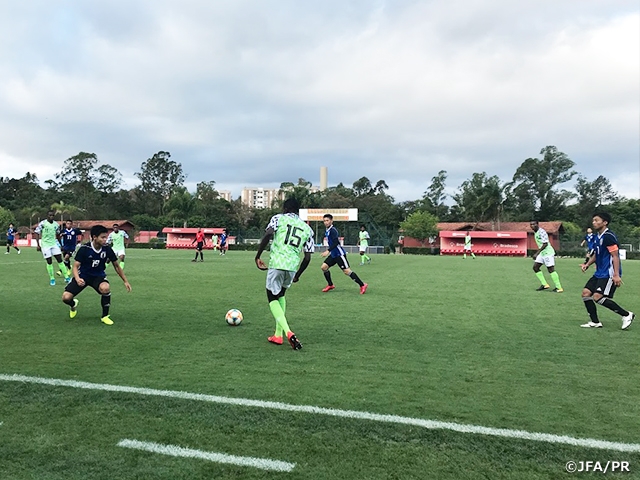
{"x": 48, "y": 233}
{"x": 364, "y": 238}
{"x": 542, "y": 237}
{"x": 291, "y": 237}
{"x": 467, "y": 241}
{"x": 117, "y": 240}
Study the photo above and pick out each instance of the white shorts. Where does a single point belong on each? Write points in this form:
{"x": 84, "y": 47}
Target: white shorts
{"x": 279, "y": 279}
{"x": 363, "y": 248}
{"x": 468, "y": 247}
{"x": 48, "y": 252}
{"x": 119, "y": 253}
{"x": 547, "y": 260}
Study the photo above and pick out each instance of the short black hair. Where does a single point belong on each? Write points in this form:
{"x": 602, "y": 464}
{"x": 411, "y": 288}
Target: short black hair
{"x": 98, "y": 230}
{"x": 291, "y": 205}
{"x": 604, "y": 216}
{"x": 116, "y": 225}
{"x": 328, "y": 215}
{"x": 534, "y": 221}
{"x": 51, "y": 212}
{"x": 362, "y": 226}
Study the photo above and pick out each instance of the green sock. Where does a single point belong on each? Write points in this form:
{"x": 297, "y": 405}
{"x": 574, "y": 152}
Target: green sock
{"x": 63, "y": 270}
{"x": 50, "y": 270}
{"x": 367, "y": 258}
{"x": 464, "y": 255}
{"x": 556, "y": 279}
{"x": 283, "y": 304}
{"x": 540, "y": 276}
{"x": 278, "y": 314}
{"x": 473, "y": 255}
{"x": 122, "y": 265}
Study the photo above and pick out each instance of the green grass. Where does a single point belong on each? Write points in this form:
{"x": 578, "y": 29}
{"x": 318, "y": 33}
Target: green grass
{"x": 434, "y": 338}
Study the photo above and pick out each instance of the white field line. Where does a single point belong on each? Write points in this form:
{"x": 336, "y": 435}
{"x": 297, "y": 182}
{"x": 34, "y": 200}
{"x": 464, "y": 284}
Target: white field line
{"x": 376, "y": 417}
{"x": 176, "y": 451}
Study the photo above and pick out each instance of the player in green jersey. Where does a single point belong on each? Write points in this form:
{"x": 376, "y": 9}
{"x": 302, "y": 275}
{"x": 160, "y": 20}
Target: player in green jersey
{"x": 116, "y": 240}
{"x": 291, "y": 237}
{"x": 545, "y": 255}
{"x": 47, "y": 235}
{"x": 363, "y": 244}
{"x": 468, "y": 246}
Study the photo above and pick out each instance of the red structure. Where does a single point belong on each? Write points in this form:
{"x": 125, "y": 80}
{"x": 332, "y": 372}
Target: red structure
{"x": 485, "y": 243}
{"x": 184, "y": 237}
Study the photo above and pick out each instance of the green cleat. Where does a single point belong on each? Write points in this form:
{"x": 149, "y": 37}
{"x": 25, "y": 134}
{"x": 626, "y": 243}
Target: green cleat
{"x": 106, "y": 320}
{"x": 74, "y": 310}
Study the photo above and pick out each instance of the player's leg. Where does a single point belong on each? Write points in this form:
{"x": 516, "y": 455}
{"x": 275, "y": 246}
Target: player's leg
{"x": 62, "y": 267}
{"x": 8, "y": 248}
{"x": 326, "y": 265}
{"x": 68, "y": 297}
{"x": 537, "y": 264}
{"x": 104, "y": 290}
{"x": 67, "y": 259}
{"x": 201, "y": 257}
{"x": 280, "y": 280}
{"x": 361, "y": 257}
{"x": 551, "y": 268}
{"x": 46, "y": 253}
{"x": 590, "y": 304}
{"x": 121, "y": 260}
{"x": 196, "y": 258}
{"x": 608, "y": 289}
{"x": 472, "y": 254}
{"x": 343, "y": 263}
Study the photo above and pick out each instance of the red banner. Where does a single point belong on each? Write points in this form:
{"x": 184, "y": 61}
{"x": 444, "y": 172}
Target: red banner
{"x": 485, "y": 243}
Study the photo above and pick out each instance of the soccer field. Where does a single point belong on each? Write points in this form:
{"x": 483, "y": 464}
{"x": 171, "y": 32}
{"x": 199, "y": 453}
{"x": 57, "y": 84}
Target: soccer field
{"x": 441, "y": 339}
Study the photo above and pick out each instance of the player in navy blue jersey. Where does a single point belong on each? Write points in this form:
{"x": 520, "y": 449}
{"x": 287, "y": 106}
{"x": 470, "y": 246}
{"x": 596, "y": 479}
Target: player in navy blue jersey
{"x": 590, "y": 241}
{"x": 89, "y": 271}
{"x": 336, "y": 255}
{"x": 223, "y": 242}
{"x": 69, "y": 237}
{"x": 11, "y": 238}
{"x": 601, "y": 287}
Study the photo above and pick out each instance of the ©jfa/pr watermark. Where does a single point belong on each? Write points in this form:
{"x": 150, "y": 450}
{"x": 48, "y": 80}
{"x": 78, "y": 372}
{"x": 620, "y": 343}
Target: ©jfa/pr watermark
{"x": 592, "y": 466}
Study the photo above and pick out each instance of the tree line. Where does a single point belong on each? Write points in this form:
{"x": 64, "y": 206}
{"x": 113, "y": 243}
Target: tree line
{"x": 86, "y": 188}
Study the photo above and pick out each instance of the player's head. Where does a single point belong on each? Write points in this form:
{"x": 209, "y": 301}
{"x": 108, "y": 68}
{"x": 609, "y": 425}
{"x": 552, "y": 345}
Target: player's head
{"x": 327, "y": 219}
{"x": 468, "y": 232}
{"x": 589, "y": 230}
{"x": 601, "y": 220}
{"x": 11, "y": 225}
{"x": 50, "y": 215}
{"x": 291, "y": 205}
{"x": 199, "y": 229}
{"x": 69, "y": 223}
{"x": 362, "y": 228}
{"x": 99, "y": 234}
{"x": 116, "y": 227}
{"x": 534, "y": 225}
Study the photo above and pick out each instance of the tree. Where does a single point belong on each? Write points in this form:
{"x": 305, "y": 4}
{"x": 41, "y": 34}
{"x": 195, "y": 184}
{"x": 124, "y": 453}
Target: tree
{"x": 592, "y": 195}
{"x": 536, "y": 180}
{"x": 6, "y": 217}
{"x": 480, "y": 198}
{"x": 62, "y": 209}
{"x": 362, "y": 187}
{"x": 109, "y": 179}
{"x": 78, "y": 178}
{"x": 181, "y": 205}
{"x": 160, "y": 176}
{"x": 435, "y": 193}
{"x": 420, "y": 225}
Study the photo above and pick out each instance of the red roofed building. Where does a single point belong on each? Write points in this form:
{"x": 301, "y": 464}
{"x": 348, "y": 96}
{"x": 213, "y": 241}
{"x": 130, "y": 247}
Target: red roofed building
{"x": 184, "y": 237}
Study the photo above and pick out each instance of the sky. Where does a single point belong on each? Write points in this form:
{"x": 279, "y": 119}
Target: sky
{"x": 255, "y": 93}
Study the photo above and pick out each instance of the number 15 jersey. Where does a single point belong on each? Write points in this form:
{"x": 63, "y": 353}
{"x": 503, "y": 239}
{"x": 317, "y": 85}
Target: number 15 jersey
{"x": 291, "y": 237}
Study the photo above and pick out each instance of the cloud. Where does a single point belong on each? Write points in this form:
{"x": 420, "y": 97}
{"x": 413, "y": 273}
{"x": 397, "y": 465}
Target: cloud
{"x": 258, "y": 93}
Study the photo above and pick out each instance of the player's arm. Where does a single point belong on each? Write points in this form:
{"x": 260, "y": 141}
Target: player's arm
{"x": 582, "y": 243}
{"x": 127, "y": 239}
{"x": 591, "y": 261}
{"x": 36, "y": 236}
{"x": 76, "y": 273}
{"x": 308, "y": 250}
{"x": 268, "y": 235}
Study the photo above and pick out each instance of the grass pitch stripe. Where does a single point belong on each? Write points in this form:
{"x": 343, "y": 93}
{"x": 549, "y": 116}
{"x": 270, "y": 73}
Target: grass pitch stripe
{"x": 376, "y": 417}
{"x": 176, "y": 451}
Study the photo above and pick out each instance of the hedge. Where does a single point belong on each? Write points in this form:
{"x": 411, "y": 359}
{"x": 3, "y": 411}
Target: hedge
{"x": 155, "y": 246}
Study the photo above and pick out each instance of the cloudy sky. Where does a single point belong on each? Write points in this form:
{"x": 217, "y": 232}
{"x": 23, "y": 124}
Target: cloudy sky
{"x": 259, "y": 92}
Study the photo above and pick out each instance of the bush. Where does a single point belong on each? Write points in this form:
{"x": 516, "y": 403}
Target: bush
{"x": 252, "y": 247}
{"x": 421, "y": 251}
{"x": 154, "y": 245}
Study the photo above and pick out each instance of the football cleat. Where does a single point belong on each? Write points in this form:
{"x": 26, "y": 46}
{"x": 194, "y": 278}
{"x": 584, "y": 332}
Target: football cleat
{"x": 591, "y": 325}
{"x": 52, "y": 282}
{"x": 74, "y": 310}
{"x": 106, "y": 320}
{"x": 542, "y": 287}
{"x": 276, "y": 340}
{"x": 558, "y": 290}
{"x": 293, "y": 341}
{"x": 328, "y": 288}
{"x": 626, "y": 321}
{"x": 59, "y": 273}
{"x": 363, "y": 288}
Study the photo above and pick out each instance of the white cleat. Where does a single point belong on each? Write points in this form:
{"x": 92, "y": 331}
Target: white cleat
{"x": 626, "y": 321}
{"x": 592, "y": 325}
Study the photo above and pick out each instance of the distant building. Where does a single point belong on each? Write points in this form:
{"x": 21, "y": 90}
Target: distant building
{"x": 225, "y": 194}
{"x": 258, "y": 197}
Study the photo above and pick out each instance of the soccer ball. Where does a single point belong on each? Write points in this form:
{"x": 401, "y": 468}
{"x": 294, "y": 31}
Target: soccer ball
{"x": 233, "y": 317}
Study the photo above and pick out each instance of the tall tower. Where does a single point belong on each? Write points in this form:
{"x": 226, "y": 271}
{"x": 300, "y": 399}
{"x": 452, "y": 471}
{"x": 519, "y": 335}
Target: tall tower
{"x": 323, "y": 178}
